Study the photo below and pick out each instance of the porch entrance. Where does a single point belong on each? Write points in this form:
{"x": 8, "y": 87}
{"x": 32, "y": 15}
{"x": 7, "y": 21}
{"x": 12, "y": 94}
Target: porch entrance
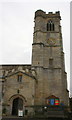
{"x": 17, "y": 105}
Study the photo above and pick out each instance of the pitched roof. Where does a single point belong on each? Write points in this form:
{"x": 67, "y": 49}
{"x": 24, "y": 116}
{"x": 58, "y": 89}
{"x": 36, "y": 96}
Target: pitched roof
{"x": 20, "y": 71}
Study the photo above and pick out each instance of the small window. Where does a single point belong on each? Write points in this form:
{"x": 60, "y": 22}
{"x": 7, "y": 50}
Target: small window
{"x": 18, "y": 91}
{"x": 19, "y": 78}
{"x": 53, "y": 26}
{"x": 51, "y": 62}
{"x": 50, "y": 26}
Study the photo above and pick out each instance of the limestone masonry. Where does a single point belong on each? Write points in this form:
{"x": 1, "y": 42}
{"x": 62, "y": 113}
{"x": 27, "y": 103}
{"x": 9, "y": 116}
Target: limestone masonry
{"x": 44, "y": 82}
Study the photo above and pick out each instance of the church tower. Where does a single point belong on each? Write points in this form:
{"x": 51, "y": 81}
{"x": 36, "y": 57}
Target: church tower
{"x": 48, "y": 59}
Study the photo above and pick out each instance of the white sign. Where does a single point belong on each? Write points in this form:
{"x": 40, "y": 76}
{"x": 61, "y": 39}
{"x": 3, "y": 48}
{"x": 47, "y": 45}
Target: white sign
{"x": 20, "y": 113}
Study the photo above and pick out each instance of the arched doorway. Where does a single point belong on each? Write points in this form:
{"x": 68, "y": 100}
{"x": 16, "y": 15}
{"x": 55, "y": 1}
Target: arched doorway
{"x": 17, "y": 105}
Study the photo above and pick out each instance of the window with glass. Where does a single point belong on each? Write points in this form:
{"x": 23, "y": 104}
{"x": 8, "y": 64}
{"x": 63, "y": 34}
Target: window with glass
{"x": 50, "y": 26}
{"x": 19, "y": 78}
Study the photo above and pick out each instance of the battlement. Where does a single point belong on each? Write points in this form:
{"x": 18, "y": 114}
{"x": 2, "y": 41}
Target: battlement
{"x": 45, "y": 15}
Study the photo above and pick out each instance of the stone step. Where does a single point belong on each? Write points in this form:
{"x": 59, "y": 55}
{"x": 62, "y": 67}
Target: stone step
{"x": 54, "y": 118}
{"x": 50, "y": 117}
{"x": 55, "y": 112}
{"x": 16, "y": 118}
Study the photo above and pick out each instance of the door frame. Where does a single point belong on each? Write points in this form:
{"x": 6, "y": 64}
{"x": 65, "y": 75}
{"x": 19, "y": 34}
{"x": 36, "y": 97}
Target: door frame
{"x": 16, "y": 96}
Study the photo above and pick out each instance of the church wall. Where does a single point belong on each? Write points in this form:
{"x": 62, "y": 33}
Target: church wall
{"x": 37, "y": 55}
{"x": 39, "y": 87}
{"x": 26, "y": 89}
{"x": 52, "y": 82}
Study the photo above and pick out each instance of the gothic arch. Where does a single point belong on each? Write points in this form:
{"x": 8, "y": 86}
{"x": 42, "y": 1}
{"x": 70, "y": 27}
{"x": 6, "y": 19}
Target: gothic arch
{"x": 16, "y": 96}
{"x": 17, "y": 105}
{"x": 13, "y": 98}
{"x": 50, "y": 25}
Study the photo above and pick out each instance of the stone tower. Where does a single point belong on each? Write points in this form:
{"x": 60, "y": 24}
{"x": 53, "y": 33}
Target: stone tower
{"x": 48, "y": 58}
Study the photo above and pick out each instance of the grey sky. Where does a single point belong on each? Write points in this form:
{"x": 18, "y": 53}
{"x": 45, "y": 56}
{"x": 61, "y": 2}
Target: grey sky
{"x": 17, "y": 22}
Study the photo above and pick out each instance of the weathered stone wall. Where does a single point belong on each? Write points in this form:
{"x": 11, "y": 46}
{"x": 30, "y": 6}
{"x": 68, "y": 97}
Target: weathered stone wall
{"x": 48, "y": 58}
{"x": 26, "y": 89}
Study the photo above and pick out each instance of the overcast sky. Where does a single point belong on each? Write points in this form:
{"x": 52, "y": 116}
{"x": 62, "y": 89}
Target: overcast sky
{"x": 16, "y": 28}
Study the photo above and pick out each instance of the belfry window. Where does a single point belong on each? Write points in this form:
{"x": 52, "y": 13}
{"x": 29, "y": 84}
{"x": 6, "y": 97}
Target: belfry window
{"x": 19, "y": 78}
{"x": 50, "y": 26}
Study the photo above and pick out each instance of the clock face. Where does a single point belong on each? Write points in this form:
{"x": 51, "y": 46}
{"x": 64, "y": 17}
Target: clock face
{"x": 51, "y": 41}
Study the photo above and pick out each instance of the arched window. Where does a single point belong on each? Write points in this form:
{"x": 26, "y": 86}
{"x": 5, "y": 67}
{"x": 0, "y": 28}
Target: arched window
{"x": 50, "y": 26}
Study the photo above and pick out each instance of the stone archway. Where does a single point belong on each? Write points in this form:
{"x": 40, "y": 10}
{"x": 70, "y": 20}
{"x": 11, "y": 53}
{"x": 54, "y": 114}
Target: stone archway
{"x": 17, "y": 105}
{"x": 17, "y": 102}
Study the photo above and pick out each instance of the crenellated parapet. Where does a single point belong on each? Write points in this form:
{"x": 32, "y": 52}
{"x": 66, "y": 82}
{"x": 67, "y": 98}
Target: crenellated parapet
{"x": 45, "y": 15}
